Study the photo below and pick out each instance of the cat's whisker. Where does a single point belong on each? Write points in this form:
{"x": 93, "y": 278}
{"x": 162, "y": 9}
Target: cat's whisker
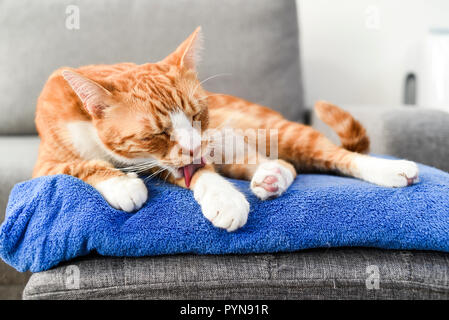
{"x": 215, "y": 76}
{"x": 154, "y": 174}
{"x": 166, "y": 176}
{"x": 139, "y": 170}
{"x": 207, "y": 79}
{"x": 142, "y": 164}
{"x": 134, "y": 168}
{"x": 211, "y": 95}
{"x": 143, "y": 170}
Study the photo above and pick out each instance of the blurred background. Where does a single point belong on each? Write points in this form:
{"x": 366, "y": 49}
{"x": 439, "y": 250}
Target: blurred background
{"x": 361, "y": 52}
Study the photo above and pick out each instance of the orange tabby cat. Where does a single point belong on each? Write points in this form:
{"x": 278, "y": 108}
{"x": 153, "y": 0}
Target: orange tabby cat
{"x": 105, "y": 123}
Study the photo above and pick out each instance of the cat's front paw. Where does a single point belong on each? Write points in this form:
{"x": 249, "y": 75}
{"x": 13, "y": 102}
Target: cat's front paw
{"x": 227, "y": 209}
{"x": 270, "y": 180}
{"x": 127, "y": 193}
{"x": 221, "y": 203}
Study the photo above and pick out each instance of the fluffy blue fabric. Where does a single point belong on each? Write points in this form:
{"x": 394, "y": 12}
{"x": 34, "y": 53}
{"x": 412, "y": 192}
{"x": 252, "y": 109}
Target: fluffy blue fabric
{"x": 56, "y": 218}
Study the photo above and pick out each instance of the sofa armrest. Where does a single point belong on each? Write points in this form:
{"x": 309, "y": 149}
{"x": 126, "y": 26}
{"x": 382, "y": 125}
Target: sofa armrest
{"x": 412, "y": 133}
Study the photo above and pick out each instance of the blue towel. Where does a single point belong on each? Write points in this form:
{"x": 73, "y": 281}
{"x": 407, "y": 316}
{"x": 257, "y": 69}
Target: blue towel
{"x": 56, "y": 218}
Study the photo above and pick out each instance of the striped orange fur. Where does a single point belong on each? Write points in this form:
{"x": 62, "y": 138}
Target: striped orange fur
{"x": 97, "y": 122}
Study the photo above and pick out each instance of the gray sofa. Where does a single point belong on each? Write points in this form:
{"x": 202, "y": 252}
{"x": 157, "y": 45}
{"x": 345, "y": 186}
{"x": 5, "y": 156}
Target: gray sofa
{"x": 255, "y": 44}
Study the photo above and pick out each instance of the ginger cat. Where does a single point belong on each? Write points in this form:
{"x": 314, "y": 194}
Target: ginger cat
{"x": 106, "y": 123}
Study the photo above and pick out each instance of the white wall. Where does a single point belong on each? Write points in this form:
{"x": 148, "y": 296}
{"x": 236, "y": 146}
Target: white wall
{"x": 359, "y": 51}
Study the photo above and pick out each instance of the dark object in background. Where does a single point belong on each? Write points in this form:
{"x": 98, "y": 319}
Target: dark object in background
{"x": 410, "y": 89}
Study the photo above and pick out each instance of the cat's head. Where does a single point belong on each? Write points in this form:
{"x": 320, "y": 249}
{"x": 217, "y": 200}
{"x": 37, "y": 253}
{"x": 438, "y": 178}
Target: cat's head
{"x": 154, "y": 112}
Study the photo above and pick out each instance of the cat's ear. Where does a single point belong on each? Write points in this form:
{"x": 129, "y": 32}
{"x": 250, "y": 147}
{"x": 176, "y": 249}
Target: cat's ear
{"x": 90, "y": 93}
{"x": 187, "y": 54}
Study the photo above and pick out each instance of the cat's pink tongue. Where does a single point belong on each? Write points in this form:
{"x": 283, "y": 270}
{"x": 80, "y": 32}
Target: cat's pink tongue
{"x": 189, "y": 170}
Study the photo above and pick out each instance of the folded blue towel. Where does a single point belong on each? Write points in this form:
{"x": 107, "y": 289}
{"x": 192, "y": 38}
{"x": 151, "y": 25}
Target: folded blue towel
{"x": 56, "y": 218}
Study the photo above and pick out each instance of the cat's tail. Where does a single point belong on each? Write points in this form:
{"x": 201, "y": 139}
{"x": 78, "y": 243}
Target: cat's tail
{"x": 352, "y": 134}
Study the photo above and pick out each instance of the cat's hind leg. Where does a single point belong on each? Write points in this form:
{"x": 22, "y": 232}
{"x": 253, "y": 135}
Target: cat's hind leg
{"x": 384, "y": 172}
{"x": 309, "y": 150}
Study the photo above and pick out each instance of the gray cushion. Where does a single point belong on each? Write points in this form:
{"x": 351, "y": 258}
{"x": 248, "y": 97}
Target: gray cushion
{"x": 16, "y": 164}
{"x": 312, "y": 274}
{"x": 256, "y": 41}
{"x": 19, "y": 155}
{"x": 406, "y": 132}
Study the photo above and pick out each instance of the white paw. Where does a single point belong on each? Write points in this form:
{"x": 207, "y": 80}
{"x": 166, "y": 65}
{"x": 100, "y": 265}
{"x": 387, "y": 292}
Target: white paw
{"x": 127, "y": 193}
{"x": 388, "y": 173}
{"x": 270, "y": 180}
{"x": 221, "y": 203}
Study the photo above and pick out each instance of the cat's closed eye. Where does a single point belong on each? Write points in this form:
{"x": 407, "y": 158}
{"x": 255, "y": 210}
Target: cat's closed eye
{"x": 157, "y": 134}
{"x": 162, "y": 133}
